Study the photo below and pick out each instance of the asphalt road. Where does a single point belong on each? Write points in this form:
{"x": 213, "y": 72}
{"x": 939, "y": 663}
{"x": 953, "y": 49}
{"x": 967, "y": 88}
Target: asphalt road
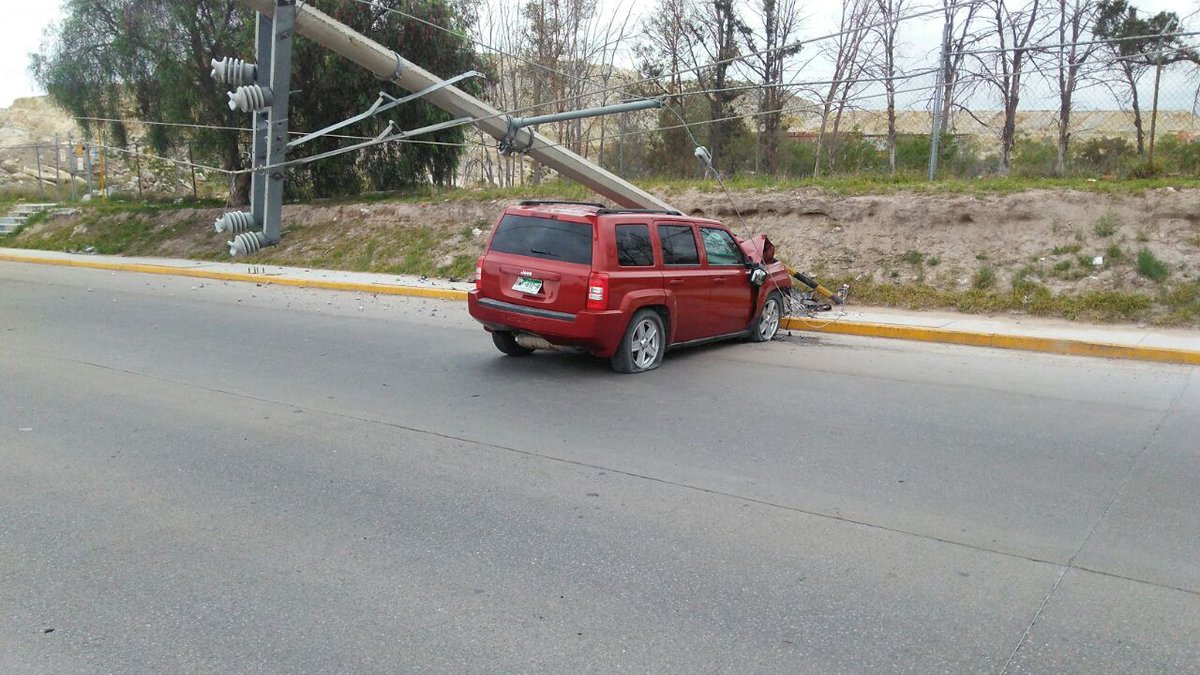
{"x": 221, "y": 477}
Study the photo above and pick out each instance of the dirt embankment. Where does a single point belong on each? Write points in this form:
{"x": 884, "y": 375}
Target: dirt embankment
{"x": 1057, "y": 242}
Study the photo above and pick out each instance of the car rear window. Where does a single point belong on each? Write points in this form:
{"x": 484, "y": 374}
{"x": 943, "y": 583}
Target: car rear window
{"x": 633, "y": 246}
{"x": 544, "y": 238}
{"x": 678, "y": 245}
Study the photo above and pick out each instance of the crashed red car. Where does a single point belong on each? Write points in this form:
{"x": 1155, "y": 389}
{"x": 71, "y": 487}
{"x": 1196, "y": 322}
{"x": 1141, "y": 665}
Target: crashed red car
{"x": 623, "y": 284}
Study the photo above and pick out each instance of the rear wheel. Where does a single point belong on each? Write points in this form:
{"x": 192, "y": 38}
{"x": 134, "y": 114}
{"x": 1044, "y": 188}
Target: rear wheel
{"x": 507, "y": 343}
{"x": 644, "y": 344}
{"x": 766, "y": 325}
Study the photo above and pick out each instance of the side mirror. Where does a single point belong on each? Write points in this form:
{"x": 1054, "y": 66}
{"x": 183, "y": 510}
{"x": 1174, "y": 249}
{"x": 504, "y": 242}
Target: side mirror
{"x": 758, "y": 276}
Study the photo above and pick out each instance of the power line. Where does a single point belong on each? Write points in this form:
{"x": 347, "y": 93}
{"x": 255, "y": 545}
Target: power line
{"x": 741, "y": 57}
{"x": 465, "y": 36}
{"x": 1084, "y": 43}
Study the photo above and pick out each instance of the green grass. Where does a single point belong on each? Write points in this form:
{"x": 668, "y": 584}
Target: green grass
{"x": 913, "y": 257}
{"x": 1069, "y": 249}
{"x": 917, "y": 182}
{"x": 1029, "y": 297}
{"x": 1182, "y": 303}
{"x": 109, "y": 233}
{"x": 1149, "y": 266}
{"x": 851, "y": 185}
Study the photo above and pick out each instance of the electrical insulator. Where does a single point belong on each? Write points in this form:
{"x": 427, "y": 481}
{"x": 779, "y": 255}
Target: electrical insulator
{"x": 247, "y": 243}
{"x": 251, "y": 98}
{"x": 234, "y": 71}
{"x": 236, "y": 222}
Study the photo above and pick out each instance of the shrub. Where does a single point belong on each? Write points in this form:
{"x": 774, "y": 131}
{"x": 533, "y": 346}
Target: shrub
{"x": 1106, "y": 226}
{"x": 985, "y": 278}
{"x": 1149, "y": 266}
{"x": 1102, "y": 155}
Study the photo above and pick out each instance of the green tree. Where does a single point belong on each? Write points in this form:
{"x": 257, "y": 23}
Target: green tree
{"x": 121, "y": 59}
{"x": 332, "y": 89}
{"x": 1133, "y": 53}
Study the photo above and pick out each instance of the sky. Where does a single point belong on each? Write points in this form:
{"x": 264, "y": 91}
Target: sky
{"x": 22, "y": 23}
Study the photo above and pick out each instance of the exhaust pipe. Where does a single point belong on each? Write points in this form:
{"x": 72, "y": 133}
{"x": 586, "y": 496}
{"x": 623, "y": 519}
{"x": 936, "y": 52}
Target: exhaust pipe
{"x": 534, "y": 342}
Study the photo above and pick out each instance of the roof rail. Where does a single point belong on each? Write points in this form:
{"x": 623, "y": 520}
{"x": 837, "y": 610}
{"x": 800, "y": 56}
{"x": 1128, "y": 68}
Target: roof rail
{"x": 665, "y": 212}
{"x": 548, "y": 202}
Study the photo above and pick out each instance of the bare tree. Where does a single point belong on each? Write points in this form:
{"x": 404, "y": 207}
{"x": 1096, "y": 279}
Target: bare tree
{"x": 716, "y": 31}
{"x": 960, "y": 16}
{"x": 663, "y": 48}
{"x": 780, "y": 21}
{"x": 889, "y": 12}
{"x": 1018, "y": 31}
{"x": 847, "y": 57}
{"x": 1075, "y": 20}
{"x": 663, "y": 56}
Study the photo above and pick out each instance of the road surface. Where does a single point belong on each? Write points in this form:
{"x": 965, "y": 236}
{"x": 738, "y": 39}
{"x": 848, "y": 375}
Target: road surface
{"x": 222, "y": 477}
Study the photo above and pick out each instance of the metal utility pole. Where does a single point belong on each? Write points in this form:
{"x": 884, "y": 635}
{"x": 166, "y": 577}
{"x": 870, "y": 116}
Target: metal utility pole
{"x": 390, "y": 66}
{"x": 939, "y": 94}
{"x": 263, "y": 90}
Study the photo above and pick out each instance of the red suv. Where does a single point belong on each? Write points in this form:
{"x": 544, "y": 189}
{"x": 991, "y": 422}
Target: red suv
{"x": 624, "y": 284}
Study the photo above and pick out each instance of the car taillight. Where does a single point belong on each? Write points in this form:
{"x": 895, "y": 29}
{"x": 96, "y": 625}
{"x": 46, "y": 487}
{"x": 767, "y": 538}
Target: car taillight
{"x": 479, "y": 274}
{"x": 597, "y": 295}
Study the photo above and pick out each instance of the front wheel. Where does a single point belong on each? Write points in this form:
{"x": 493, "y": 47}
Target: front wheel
{"x": 507, "y": 343}
{"x": 766, "y": 325}
{"x": 644, "y": 344}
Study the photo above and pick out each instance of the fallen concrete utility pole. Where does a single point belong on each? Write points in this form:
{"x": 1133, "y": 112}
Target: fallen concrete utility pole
{"x": 390, "y": 66}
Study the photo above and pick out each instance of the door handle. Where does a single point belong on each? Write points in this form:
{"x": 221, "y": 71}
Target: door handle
{"x": 676, "y": 282}
{"x": 719, "y": 280}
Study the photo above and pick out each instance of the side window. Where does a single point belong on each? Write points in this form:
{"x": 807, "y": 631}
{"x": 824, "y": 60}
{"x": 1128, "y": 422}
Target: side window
{"x": 633, "y": 246}
{"x": 720, "y": 247}
{"x": 678, "y": 245}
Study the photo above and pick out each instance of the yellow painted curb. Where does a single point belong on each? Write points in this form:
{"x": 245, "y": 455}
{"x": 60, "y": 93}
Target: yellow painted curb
{"x": 1020, "y": 342}
{"x": 860, "y": 328}
{"x": 414, "y": 291}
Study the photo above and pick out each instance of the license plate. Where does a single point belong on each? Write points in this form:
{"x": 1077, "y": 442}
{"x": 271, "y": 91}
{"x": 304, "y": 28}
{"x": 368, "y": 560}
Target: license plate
{"x": 528, "y": 286}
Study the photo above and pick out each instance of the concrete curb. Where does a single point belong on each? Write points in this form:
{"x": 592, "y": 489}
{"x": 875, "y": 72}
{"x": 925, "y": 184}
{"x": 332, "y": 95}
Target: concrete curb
{"x": 438, "y": 293}
{"x": 997, "y": 340}
{"x": 1071, "y": 347}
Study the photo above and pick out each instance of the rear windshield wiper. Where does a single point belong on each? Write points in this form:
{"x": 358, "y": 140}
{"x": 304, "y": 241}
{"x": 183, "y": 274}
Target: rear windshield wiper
{"x": 540, "y": 252}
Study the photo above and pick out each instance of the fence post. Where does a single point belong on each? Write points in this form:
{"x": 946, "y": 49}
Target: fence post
{"x": 137, "y": 161}
{"x": 72, "y": 163}
{"x": 57, "y": 171}
{"x": 103, "y": 170}
{"x": 192, "y": 166}
{"x": 37, "y": 152}
{"x": 938, "y": 95}
{"x": 87, "y": 158}
{"x": 1154, "y": 111}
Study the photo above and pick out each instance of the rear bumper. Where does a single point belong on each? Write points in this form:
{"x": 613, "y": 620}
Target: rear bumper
{"x": 597, "y": 332}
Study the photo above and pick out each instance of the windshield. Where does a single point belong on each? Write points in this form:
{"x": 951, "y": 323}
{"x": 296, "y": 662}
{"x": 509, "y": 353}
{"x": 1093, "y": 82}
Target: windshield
{"x": 544, "y": 238}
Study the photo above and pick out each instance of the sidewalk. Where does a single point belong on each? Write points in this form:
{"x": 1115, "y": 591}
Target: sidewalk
{"x": 1006, "y": 332}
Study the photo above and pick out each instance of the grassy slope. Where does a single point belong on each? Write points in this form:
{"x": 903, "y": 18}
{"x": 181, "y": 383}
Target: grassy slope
{"x": 129, "y": 228}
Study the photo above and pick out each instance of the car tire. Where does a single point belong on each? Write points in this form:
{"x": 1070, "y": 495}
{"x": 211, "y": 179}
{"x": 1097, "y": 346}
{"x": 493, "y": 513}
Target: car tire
{"x": 644, "y": 344}
{"x": 507, "y": 343}
{"x": 766, "y": 325}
